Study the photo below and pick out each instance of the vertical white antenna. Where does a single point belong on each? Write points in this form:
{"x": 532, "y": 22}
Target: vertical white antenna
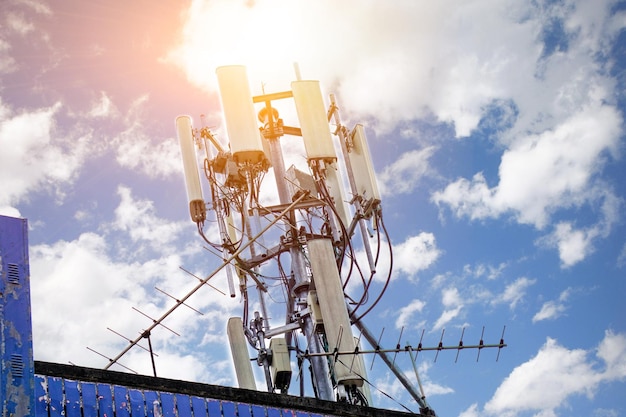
{"x": 243, "y": 133}
{"x": 197, "y": 210}
{"x": 313, "y": 120}
{"x": 239, "y": 351}
{"x": 362, "y": 167}
{"x": 334, "y": 313}
{"x": 296, "y": 69}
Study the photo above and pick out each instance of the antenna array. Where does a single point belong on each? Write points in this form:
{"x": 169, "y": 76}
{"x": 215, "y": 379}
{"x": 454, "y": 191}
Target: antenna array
{"x": 311, "y": 225}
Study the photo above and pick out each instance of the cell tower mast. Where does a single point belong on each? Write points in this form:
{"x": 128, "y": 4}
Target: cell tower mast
{"x": 316, "y": 304}
{"x": 312, "y": 225}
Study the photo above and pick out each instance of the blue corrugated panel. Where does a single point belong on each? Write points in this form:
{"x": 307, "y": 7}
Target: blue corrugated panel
{"x": 183, "y": 405}
{"x": 302, "y": 414}
{"x": 273, "y": 412}
{"x": 258, "y": 411}
{"x": 55, "y": 393}
{"x": 243, "y": 410}
{"x": 152, "y": 401}
{"x": 120, "y": 399}
{"x": 72, "y": 399}
{"x": 214, "y": 407}
{"x": 228, "y": 409}
{"x": 41, "y": 396}
{"x": 137, "y": 404}
{"x": 168, "y": 406}
{"x": 90, "y": 399}
{"x": 199, "y": 407}
{"x": 105, "y": 400}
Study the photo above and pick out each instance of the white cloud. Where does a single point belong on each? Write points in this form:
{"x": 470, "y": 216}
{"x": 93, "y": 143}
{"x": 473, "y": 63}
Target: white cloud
{"x": 550, "y": 310}
{"x": 453, "y": 70}
{"x": 621, "y": 258}
{"x": 514, "y": 292}
{"x": 18, "y": 24}
{"x": 137, "y": 218}
{"x": 407, "y": 312}
{"x": 541, "y": 173}
{"x": 452, "y": 303}
{"x": 447, "y": 316}
{"x": 103, "y": 107}
{"x": 471, "y": 411}
{"x": 573, "y": 245}
{"x": 32, "y": 158}
{"x": 562, "y": 373}
{"x": 415, "y": 254}
{"x": 99, "y": 278}
{"x": 135, "y": 150}
{"x": 450, "y": 297}
{"x": 431, "y": 388}
{"x": 612, "y": 350}
{"x": 7, "y": 62}
{"x": 403, "y": 175}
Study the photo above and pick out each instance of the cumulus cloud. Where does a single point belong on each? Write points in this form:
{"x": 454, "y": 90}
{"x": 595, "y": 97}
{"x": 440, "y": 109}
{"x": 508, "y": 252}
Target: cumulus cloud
{"x": 407, "y": 313}
{"x": 32, "y": 158}
{"x": 553, "y": 309}
{"x": 575, "y": 244}
{"x": 454, "y": 70}
{"x": 416, "y": 253}
{"x": 563, "y": 373}
{"x": 514, "y": 292}
{"x": 452, "y": 303}
{"x": 541, "y": 173}
{"x": 136, "y": 150}
{"x": 101, "y": 283}
{"x": 566, "y": 127}
{"x": 403, "y": 175}
{"x": 138, "y": 219}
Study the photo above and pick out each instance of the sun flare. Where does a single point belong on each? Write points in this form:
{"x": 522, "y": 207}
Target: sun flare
{"x": 267, "y": 38}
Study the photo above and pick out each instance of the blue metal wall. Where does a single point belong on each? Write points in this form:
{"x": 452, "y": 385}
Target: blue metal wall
{"x": 16, "y": 341}
{"x": 60, "y": 397}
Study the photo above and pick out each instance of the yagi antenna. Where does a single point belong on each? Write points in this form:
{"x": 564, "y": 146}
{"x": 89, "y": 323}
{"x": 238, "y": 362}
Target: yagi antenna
{"x": 460, "y": 345}
{"x": 177, "y": 300}
{"x": 111, "y": 360}
{"x": 159, "y": 321}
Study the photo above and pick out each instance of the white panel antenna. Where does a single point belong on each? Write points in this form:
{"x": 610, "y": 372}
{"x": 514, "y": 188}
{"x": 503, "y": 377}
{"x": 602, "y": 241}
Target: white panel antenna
{"x": 241, "y": 120}
{"x": 335, "y": 189}
{"x": 197, "y": 209}
{"x": 363, "y": 169}
{"x": 313, "y": 120}
{"x": 239, "y": 351}
{"x": 333, "y": 308}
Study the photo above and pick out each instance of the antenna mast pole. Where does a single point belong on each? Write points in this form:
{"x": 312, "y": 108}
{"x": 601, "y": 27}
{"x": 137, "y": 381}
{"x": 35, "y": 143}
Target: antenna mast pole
{"x": 319, "y": 364}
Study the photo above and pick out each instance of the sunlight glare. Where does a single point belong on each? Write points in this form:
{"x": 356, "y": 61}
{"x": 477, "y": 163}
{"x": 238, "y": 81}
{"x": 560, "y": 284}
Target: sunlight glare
{"x": 265, "y": 37}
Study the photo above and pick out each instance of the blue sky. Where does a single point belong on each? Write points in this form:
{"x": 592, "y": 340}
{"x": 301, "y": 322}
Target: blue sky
{"x": 497, "y": 135}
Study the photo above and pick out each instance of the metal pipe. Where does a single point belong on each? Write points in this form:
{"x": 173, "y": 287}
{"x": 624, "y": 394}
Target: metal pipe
{"x": 392, "y": 367}
{"x": 357, "y": 203}
{"x": 319, "y": 364}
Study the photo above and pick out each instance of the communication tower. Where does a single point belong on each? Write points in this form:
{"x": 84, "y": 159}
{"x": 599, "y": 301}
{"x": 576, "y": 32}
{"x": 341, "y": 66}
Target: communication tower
{"x": 304, "y": 245}
{"x": 317, "y": 220}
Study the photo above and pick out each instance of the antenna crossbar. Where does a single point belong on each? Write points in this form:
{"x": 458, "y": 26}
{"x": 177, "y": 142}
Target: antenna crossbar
{"x": 407, "y": 348}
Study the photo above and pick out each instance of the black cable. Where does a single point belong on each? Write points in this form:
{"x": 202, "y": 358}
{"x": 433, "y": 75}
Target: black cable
{"x": 387, "y": 237}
